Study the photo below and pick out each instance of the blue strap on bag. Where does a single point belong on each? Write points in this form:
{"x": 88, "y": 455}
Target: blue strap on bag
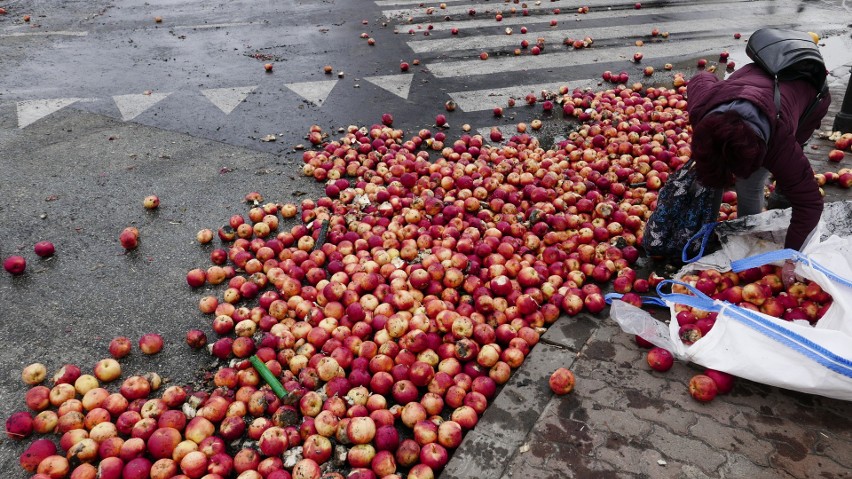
{"x": 651, "y": 300}
{"x": 755, "y": 321}
{"x": 704, "y": 235}
{"x": 783, "y": 255}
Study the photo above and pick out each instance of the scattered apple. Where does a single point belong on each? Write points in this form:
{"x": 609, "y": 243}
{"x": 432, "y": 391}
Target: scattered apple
{"x": 151, "y": 202}
{"x": 15, "y": 265}
{"x": 44, "y": 249}
{"x": 561, "y": 381}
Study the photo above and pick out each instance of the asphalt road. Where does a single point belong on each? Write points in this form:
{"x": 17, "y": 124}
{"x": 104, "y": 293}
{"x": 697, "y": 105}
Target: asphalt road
{"x": 101, "y": 106}
{"x": 200, "y": 70}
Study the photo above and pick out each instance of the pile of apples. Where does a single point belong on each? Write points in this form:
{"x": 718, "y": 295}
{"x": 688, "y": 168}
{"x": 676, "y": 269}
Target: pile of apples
{"x": 393, "y": 308}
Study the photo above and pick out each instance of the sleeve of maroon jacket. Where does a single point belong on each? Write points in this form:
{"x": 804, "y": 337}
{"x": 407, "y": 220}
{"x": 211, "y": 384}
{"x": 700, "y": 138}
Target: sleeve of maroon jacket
{"x": 794, "y": 179}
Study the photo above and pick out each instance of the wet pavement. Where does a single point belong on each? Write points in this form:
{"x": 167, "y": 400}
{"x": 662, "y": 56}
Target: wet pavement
{"x": 178, "y": 109}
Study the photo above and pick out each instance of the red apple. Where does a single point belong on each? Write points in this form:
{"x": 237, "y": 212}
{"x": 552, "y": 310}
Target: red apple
{"x": 361, "y": 430}
{"x": 15, "y": 265}
{"x": 702, "y": 388}
{"x": 835, "y": 156}
{"x": 273, "y": 441}
{"x": 724, "y": 381}
{"x": 35, "y": 453}
{"x": 561, "y": 381}
{"x": 408, "y": 453}
{"x": 151, "y": 202}
{"x": 151, "y": 343}
{"x": 660, "y": 359}
{"x": 67, "y": 374}
{"x": 129, "y": 238}
{"x": 54, "y": 467}
{"x": 44, "y": 249}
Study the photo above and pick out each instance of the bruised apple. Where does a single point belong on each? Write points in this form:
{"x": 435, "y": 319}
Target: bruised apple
{"x": 703, "y": 388}
{"x": 561, "y": 381}
{"x": 660, "y": 359}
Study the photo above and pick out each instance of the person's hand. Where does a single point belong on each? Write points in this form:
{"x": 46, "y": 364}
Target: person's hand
{"x": 788, "y": 273}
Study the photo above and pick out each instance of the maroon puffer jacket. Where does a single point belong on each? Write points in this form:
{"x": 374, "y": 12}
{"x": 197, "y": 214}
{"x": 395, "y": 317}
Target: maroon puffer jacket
{"x": 784, "y": 157}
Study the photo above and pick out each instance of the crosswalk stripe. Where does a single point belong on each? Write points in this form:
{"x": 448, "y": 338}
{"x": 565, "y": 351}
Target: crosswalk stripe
{"x": 208, "y": 26}
{"x": 480, "y": 100}
{"x": 226, "y": 99}
{"x": 414, "y": 3}
{"x": 132, "y": 105}
{"x": 399, "y": 85}
{"x": 463, "y": 24}
{"x": 63, "y": 33}
{"x": 314, "y": 91}
{"x": 562, "y": 59}
{"x": 491, "y": 42}
{"x": 30, "y": 111}
{"x": 489, "y": 10}
{"x": 543, "y": 11}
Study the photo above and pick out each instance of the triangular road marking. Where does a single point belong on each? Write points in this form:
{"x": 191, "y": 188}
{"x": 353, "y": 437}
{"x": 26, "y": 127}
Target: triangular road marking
{"x": 399, "y": 85}
{"x": 30, "y": 111}
{"x": 133, "y": 105}
{"x": 226, "y": 99}
{"x": 314, "y": 91}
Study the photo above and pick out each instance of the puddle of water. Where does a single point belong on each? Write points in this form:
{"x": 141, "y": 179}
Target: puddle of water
{"x": 837, "y": 50}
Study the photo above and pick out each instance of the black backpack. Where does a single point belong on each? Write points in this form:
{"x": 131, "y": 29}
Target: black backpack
{"x": 789, "y": 55}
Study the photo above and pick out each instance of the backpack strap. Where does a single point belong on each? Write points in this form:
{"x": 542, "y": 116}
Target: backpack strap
{"x": 777, "y": 99}
{"x": 777, "y": 96}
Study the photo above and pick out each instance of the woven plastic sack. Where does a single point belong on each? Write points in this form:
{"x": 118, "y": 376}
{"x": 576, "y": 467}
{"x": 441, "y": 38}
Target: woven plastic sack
{"x": 792, "y": 355}
{"x": 764, "y": 232}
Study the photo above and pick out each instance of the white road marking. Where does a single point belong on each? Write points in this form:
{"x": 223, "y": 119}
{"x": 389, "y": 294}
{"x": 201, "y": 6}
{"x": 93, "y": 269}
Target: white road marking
{"x": 479, "y": 100}
{"x": 30, "y": 111}
{"x": 415, "y": 3}
{"x": 576, "y": 19}
{"x": 63, "y": 33}
{"x": 399, "y": 85}
{"x": 506, "y": 130}
{"x": 313, "y": 91}
{"x": 226, "y": 99}
{"x": 556, "y": 37}
{"x": 488, "y": 11}
{"x": 133, "y": 105}
{"x": 562, "y": 59}
{"x": 207, "y": 26}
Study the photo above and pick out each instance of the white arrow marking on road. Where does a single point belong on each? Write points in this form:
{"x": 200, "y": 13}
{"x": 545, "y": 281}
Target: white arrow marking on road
{"x": 479, "y": 100}
{"x": 30, "y": 111}
{"x": 399, "y": 85}
{"x": 314, "y": 91}
{"x": 226, "y": 99}
{"x": 133, "y": 105}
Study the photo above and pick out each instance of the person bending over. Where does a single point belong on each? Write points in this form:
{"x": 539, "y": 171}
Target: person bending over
{"x": 738, "y": 139}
